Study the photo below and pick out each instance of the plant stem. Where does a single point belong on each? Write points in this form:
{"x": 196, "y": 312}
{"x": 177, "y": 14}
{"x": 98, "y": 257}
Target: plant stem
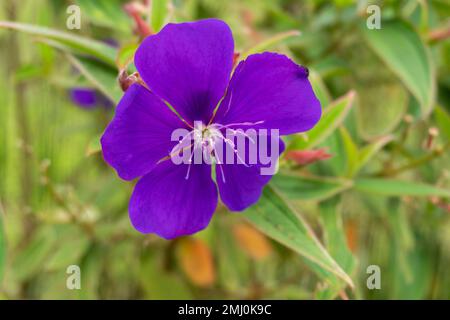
{"x": 19, "y": 89}
{"x": 415, "y": 163}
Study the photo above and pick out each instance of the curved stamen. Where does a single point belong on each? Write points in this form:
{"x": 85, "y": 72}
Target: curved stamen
{"x": 220, "y": 126}
{"x": 223, "y": 174}
{"x": 189, "y": 166}
{"x": 244, "y": 134}
{"x": 178, "y": 146}
{"x": 233, "y": 145}
{"x": 206, "y": 138}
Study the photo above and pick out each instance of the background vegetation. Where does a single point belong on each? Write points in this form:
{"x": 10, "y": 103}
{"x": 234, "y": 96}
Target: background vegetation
{"x": 377, "y": 194}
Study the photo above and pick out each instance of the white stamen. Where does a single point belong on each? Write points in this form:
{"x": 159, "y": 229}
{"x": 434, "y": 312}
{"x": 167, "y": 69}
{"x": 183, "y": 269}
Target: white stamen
{"x": 206, "y": 139}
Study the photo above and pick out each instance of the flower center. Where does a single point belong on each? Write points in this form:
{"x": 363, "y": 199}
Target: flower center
{"x": 206, "y": 143}
{"x": 206, "y": 137}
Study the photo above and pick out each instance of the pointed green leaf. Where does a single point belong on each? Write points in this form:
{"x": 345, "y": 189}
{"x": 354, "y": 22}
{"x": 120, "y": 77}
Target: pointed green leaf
{"x": 72, "y": 247}
{"x": 77, "y": 44}
{"x": 159, "y": 12}
{"x": 358, "y": 158}
{"x": 332, "y": 118}
{"x": 379, "y": 116}
{"x": 401, "y": 48}
{"x": 351, "y": 150}
{"x": 32, "y": 258}
{"x": 442, "y": 119}
{"x": 274, "y": 217}
{"x": 91, "y": 265}
{"x": 298, "y": 187}
{"x": 160, "y": 284}
{"x": 100, "y": 76}
{"x": 393, "y": 187}
{"x": 319, "y": 88}
{"x": 232, "y": 263}
{"x": 370, "y": 150}
{"x": 93, "y": 146}
{"x": 2, "y": 247}
{"x": 106, "y": 13}
{"x": 125, "y": 55}
{"x": 336, "y": 244}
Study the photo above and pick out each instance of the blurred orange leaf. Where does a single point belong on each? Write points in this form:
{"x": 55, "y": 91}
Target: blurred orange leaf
{"x": 351, "y": 233}
{"x": 304, "y": 157}
{"x": 196, "y": 261}
{"x": 253, "y": 242}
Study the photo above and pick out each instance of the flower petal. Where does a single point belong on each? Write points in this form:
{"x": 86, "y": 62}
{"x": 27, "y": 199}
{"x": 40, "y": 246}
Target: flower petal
{"x": 188, "y": 65}
{"x": 166, "y": 203}
{"x": 84, "y": 97}
{"x": 240, "y": 185}
{"x": 270, "y": 87}
{"x": 140, "y": 133}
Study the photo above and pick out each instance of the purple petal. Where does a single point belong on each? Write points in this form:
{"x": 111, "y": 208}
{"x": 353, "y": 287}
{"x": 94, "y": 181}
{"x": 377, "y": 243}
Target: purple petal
{"x": 166, "y": 203}
{"x": 240, "y": 185}
{"x": 188, "y": 65}
{"x": 140, "y": 133}
{"x": 84, "y": 97}
{"x": 112, "y": 42}
{"x": 105, "y": 102}
{"x": 270, "y": 87}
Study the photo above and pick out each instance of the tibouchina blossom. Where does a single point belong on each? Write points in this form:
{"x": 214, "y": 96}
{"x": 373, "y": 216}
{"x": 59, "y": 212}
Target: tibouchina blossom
{"x": 89, "y": 98}
{"x": 186, "y": 70}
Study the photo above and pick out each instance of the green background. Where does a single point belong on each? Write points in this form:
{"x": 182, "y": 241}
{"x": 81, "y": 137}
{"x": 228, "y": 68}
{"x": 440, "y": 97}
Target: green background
{"x": 381, "y": 199}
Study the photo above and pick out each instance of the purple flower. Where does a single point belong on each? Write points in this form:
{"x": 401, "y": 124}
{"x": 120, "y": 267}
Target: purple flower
{"x": 88, "y": 98}
{"x": 188, "y": 66}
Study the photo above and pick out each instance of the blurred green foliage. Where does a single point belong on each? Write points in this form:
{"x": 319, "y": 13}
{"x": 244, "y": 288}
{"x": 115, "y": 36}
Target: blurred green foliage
{"x": 381, "y": 199}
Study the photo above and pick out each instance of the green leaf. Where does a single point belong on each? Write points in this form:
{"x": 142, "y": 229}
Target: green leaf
{"x": 335, "y": 240}
{"x": 160, "y": 284}
{"x": 126, "y": 55}
{"x": 75, "y": 43}
{"x": 319, "y": 88}
{"x": 401, "y": 48}
{"x": 393, "y": 187}
{"x": 159, "y": 12}
{"x": 93, "y": 146}
{"x": 442, "y": 119}
{"x": 417, "y": 284}
{"x": 31, "y": 259}
{"x": 370, "y": 150}
{"x": 375, "y": 116}
{"x": 106, "y": 13}
{"x": 268, "y": 43}
{"x": 91, "y": 267}
{"x": 400, "y": 225}
{"x": 298, "y": 187}
{"x": 351, "y": 150}
{"x": 29, "y": 71}
{"x": 409, "y": 262}
{"x": 2, "y": 247}
{"x": 336, "y": 244}
{"x": 72, "y": 247}
{"x": 358, "y": 158}
{"x": 274, "y": 217}
{"x": 332, "y": 118}
{"x": 100, "y": 76}
{"x": 232, "y": 264}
